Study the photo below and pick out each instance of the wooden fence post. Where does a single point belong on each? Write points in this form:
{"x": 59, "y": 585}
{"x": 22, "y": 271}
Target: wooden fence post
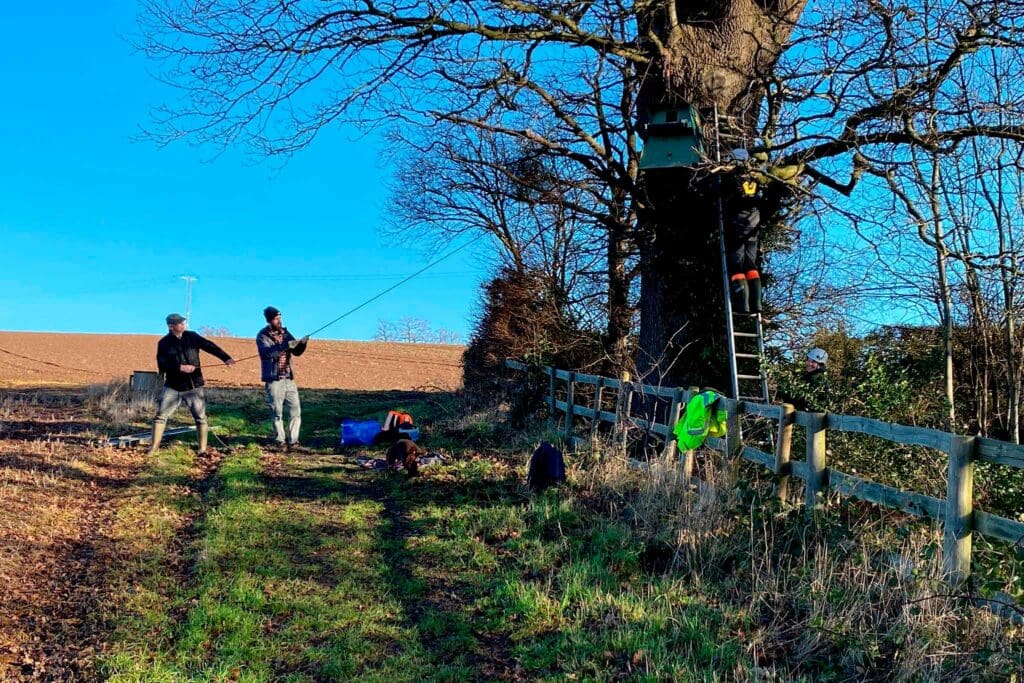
{"x": 553, "y": 419}
{"x": 598, "y": 395}
{"x": 817, "y": 475}
{"x": 623, "y": 407}
{"x": 783, "y": 467}
{"x": 689, "y": 456}
{"x": 570, "y": 396}
{"x": 959, "y": 520}
{"x": 674, "y": 411}
{"x": 733, "y": 438}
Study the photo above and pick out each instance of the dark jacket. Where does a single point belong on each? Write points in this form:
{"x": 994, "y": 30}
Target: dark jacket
{"x": 172, "y": 353}
{"x": 812, "y": 394}
{"x": 270, "y": 352}
{"x": 742, "y": 211}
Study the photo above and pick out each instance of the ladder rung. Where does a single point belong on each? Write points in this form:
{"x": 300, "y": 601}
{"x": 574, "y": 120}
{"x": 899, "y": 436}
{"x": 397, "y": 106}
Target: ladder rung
{"x": 757, "y": 377}
{"x": 744, "y": 334}
{"x": 747, "y": 355}
{"x": 753, "y": 398}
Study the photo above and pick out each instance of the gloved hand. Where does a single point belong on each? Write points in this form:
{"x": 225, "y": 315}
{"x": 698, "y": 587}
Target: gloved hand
{"x": 294, "y": 343}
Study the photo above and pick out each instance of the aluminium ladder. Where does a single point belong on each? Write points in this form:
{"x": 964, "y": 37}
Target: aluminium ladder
{"x": 746, "y": 351}
{"x": 744, "y": 331}
{"x": 745, "y": 335}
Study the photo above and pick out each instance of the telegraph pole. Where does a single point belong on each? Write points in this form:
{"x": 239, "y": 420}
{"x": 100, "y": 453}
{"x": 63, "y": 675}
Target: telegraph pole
{"x": 189, "y": 279}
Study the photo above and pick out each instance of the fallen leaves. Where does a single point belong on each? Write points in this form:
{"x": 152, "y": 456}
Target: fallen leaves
{"x": 57, "y": 496}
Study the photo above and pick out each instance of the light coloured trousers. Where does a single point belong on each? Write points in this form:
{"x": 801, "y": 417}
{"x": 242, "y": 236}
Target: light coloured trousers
{"x": 171, "y": 400}
{"x": 281, "y": 393}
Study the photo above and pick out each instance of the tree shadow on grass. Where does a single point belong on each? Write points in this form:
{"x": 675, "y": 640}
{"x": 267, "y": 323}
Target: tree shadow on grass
{"x": 69, "y": 430}
{"x": 435, "y": 609}
{"x": 24, "y": 463}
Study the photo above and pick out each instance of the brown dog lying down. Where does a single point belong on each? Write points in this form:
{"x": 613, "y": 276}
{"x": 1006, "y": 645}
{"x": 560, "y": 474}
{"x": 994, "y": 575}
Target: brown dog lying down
{"x": 406, "y": 452}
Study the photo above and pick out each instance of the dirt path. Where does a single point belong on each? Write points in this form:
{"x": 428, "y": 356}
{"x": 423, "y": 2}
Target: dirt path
{"x": 58, "y": 496}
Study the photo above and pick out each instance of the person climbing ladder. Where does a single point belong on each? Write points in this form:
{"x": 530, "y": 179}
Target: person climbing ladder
{"x": 742, "y": 205}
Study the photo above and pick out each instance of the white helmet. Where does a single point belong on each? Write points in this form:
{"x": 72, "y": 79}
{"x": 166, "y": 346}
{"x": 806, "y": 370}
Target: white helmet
{"x": 740, "y": 154}
{"x": 818, "y": 355}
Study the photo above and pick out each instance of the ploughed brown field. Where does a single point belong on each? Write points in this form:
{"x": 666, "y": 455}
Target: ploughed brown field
{"x": 46, "y": 358}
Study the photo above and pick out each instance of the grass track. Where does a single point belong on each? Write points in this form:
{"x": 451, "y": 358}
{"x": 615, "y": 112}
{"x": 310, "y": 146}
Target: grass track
{"x": 308, "y": 569}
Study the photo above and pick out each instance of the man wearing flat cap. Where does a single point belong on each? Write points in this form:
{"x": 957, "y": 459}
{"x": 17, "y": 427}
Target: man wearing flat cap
{"x": 177, "y": 357}
{"x": 277, "y": 346}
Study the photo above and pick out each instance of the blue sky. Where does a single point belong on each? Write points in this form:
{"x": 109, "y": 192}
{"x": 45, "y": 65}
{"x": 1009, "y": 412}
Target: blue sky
{"x": 97, "y": 226}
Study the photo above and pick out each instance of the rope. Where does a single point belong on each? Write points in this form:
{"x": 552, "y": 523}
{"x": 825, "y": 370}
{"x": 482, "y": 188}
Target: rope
{"x": 392, "y": 287}
{"x": 371, "y": 299}
{"x": 316, "y": 331}
{"x": 46, "y": 362}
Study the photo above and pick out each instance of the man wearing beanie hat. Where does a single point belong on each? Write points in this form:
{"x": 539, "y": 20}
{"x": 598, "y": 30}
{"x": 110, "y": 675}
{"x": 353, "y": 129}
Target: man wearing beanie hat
{"x": 277, "y": 346}
{"x": 177, "y": 357}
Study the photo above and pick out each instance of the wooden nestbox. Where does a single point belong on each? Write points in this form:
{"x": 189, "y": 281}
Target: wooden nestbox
{"x": 672, "y": 139}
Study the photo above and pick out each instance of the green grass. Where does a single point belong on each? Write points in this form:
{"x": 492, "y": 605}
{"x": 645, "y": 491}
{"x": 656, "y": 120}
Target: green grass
{"x": 240, "y": 415}
{"x": 316, "y": 570}
{"x": 564, "y": 591}
{"x": 155, "y": 514}
{"x": 307, "y": 568}
{"x": 355, "y": 575}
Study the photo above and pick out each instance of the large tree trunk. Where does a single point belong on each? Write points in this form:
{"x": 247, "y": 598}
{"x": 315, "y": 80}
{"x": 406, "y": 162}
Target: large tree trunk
{"x": 682, "y": 312}
{"x": 711, "y": 52}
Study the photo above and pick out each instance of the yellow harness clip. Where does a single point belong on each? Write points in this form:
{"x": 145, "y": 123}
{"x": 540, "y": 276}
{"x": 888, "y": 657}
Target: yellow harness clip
{"x": 749, "y": 188}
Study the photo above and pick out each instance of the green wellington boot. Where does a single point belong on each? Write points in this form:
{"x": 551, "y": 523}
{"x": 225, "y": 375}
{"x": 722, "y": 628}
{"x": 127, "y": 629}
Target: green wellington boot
{"x": 158, "y": 435}
{"x": 754, "y": 294}
{"x": 740, "y": 296}
{"x": 202, "y": 433}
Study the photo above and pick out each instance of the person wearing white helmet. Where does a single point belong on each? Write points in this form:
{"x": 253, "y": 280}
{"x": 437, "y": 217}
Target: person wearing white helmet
{"x": 809, "y": 391}
{"x": 815, "y": 390}
{"x": 816, "y": 360}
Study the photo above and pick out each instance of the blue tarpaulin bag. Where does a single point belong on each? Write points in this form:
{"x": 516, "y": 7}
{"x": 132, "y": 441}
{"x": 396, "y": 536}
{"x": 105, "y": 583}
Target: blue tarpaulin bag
{"x": 547, "y": 467}
{"x": 358, "y": 432}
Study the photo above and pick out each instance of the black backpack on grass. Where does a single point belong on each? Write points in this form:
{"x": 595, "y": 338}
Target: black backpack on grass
{"x": 547, "y": 467}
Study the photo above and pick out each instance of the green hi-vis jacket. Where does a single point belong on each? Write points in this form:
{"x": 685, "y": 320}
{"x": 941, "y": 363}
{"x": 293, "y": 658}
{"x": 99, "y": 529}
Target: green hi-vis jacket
{"x": 703, "y": 417}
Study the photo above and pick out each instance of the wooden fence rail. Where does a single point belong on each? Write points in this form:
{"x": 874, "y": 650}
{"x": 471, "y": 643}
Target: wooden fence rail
{"x": 956, "y": 512}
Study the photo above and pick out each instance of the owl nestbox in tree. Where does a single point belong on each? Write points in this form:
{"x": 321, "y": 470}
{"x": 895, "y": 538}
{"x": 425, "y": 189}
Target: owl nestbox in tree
{"x": 671, "y": 139}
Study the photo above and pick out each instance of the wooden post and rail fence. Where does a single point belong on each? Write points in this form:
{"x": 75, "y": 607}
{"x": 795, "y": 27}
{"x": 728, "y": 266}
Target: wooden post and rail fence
{"x": 956, "y": 512}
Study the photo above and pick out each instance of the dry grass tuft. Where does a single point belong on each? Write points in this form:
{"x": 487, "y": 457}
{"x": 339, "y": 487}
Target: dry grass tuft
{"x": 118, "y": 406}
{"x": 865, "y": 610}
{"x": 827, "y": 596}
